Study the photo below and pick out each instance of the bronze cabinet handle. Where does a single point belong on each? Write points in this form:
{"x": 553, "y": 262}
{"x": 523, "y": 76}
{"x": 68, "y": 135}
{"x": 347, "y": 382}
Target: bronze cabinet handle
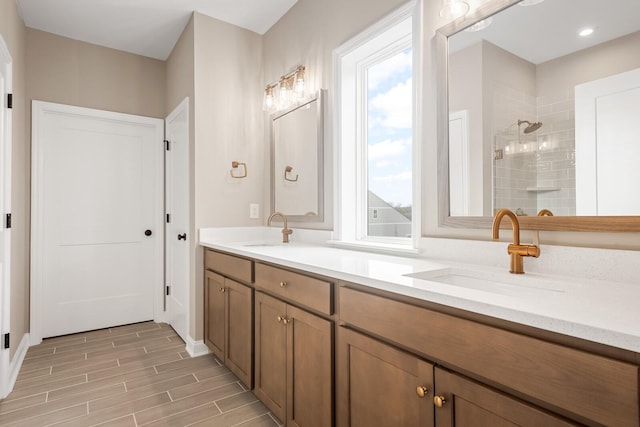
{"x": 439, "y": 401}
{"x": 422, "y": 391}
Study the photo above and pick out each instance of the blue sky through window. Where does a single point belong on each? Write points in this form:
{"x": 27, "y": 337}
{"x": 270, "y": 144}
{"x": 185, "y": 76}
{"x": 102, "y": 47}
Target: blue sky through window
{"x": 389, "y": 107}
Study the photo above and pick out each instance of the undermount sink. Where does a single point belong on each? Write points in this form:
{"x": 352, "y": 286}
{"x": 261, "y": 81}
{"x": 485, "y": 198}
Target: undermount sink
{"x": 499, "y": 283}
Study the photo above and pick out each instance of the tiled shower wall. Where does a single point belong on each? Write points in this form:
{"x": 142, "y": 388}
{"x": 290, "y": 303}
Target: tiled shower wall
{"x": 535, "y": 171}
{"x": 514, "y": 171}
{"x": 556, "y": 155}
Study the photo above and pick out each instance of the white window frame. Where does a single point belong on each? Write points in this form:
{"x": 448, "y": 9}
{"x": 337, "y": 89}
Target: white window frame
{"x": 350, "y": 129}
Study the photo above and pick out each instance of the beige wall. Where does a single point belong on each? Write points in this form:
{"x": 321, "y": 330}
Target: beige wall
{"x": 562, "y": 74}
{"x": 13, "y": 33}
{"x": 68, "y": 71}
{"x": 228, "y": 127}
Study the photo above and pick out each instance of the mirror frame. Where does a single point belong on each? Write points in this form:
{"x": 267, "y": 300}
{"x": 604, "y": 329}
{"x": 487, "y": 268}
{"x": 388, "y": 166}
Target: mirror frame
{"x": 319, "y": 98}
{"x": 546, "y": 223}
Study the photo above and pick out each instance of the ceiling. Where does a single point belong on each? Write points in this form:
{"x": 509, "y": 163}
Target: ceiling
{"x": 548, "y": 30}
{"x": 144, "y": 27}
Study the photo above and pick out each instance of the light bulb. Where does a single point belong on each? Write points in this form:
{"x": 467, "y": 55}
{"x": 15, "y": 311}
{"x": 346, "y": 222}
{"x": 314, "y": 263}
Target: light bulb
{"x": 298, "y": 86}
{"x": 454, "y": 8}
{"x": 269, "y": 101}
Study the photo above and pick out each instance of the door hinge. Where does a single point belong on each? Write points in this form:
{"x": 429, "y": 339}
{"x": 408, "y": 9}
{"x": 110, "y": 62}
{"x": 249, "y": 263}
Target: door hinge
{"x": 9, "y": 100}
{"x": 168, "y": 290}
{"x": 7, "y": 340}
{"x": 168, "y": 218}
{"x": 166, "y": 141}
{"x": 7, "y": 221}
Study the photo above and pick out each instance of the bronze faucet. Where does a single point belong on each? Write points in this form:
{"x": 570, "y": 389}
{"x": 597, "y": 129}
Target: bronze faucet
{"x": 285, "y": 231}
{"x": 515, "y": 250}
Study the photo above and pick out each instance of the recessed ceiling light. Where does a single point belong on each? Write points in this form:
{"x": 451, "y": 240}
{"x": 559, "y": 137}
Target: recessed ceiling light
{"x": 585, "y": 32}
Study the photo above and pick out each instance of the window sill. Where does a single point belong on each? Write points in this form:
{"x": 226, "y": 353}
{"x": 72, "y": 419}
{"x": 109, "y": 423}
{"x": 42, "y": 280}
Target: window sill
{"x": 378, "y": 247}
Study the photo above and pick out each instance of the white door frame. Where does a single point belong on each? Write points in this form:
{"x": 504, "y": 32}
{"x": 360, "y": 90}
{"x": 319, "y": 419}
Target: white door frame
{"x": 183, "y": 107}
{"x": 39, "y": 111}
{"x": 6, "y": 377}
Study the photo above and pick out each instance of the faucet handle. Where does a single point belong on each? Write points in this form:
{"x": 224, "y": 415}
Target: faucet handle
{"x": 524, "y": 250}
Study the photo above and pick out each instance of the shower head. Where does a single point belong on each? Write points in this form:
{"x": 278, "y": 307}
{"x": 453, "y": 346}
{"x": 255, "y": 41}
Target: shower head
{"x": 532, "y": 127}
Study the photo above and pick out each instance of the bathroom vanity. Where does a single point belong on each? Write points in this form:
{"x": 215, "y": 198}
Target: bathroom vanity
{"x": 356, "y": 339}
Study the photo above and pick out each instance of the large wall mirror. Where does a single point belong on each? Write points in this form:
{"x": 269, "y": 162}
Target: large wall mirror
{"x": 533, "y": 115}
{"x": 297, "y": 161}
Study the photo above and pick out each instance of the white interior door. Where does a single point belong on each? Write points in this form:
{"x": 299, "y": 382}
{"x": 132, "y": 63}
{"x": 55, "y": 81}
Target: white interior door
{"x": 177, "y": 207}
{"x": 6, "y": 377}
{"x": 97, "y": 209}
{"x": 608, "y": 145}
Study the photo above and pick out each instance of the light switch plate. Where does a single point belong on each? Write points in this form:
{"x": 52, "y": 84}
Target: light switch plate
{"x": 254, "y": 211}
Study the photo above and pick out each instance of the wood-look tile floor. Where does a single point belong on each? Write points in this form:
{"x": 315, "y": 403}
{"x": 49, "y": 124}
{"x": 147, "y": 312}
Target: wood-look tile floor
{"x": 133, "y": 375}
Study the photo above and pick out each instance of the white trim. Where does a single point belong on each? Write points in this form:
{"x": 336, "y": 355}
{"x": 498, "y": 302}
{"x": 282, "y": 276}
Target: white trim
{"x": 39, "y": 110}
{"x": 6, "y": 119}
{"x": 196, "y": 348}
{"x": 16, "y": 364}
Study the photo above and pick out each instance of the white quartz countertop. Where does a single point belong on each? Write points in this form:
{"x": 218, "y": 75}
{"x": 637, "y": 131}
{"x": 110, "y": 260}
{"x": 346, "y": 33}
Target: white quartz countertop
{"x": 596, "y": 310}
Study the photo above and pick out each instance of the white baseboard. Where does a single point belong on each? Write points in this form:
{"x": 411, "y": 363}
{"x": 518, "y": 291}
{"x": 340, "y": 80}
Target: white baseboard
{"x": 196, "y": 348}
{"x": 15, "y": 365}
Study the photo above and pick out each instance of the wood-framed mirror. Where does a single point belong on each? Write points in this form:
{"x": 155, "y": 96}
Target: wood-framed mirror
{"x": 511, "y": 107}
{"x": 297, "y": 151}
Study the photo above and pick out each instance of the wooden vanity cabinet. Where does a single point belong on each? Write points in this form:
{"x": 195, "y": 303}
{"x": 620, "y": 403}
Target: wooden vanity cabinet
{"x": 293, "y": 349}
{"x": 462, "y": 402}
{"x": 485, "y": 372}
{"x": 380, "y": 385}
{"x": 228, "y": 313}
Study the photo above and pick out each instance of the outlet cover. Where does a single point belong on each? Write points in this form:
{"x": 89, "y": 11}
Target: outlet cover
{"x": 254, "y": 211}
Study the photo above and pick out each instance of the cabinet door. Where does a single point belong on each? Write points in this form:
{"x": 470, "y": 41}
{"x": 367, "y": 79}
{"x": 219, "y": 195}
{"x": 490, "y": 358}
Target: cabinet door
{"x": 378, "y": 384}
{"x": 238, "y": 354}
{"x": 309, "y": 370}
{"x": 270, "y": 352}
{"x": 467, "y": 403}
{"x": 215, "y": 304}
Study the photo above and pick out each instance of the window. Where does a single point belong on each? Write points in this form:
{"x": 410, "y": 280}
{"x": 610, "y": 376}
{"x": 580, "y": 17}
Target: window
{"x": 375, "y": 76}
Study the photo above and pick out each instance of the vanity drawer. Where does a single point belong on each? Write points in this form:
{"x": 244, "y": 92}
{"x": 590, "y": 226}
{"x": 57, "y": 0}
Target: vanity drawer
{"x": 297, "y": 288}
{"x": 228, "y": 265}
{"x": 583, "y": 384}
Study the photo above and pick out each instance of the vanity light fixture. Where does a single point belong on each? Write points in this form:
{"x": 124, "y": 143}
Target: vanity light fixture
{"x": 453, "y": 9}
{"x": 285, "y": 92}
